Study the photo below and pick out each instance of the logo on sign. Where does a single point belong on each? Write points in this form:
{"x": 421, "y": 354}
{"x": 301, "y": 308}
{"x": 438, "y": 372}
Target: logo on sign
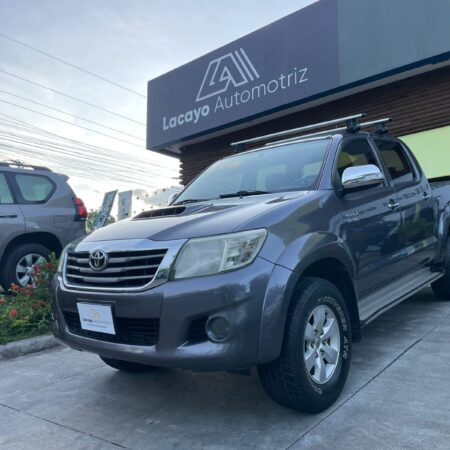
{"x": 234, "y": 68}
{"x": 94, "y": 314}
{"x": 98, "y": 260}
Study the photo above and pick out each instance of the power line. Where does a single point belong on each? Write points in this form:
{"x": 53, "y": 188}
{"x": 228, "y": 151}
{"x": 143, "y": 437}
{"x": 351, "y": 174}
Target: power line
{"x": 69, "y": 114}
{"x": 70, "y": 123}
{"x": 14, "y": 123}
{"x": 48, "y": 55}
{"x": 24, "y": 126}
{"x": 71, "y": 97}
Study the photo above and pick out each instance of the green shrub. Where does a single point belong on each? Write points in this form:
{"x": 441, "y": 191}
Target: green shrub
{"x": 25, "y": 311}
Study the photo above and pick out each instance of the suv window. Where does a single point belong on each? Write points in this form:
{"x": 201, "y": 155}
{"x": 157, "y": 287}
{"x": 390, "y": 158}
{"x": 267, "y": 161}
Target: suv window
{"x": 355, "y": 153}
{"x": 5, "y": 193}
{"x": 396, "y": 161}
{"x": 34, "y": 188}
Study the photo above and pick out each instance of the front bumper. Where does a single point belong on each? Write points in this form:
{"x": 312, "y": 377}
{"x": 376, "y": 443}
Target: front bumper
{"x": 237, "y": 296}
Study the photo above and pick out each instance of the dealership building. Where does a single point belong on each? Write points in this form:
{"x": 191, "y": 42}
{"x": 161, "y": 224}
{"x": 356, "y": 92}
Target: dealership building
{"x": 333, "y": 58}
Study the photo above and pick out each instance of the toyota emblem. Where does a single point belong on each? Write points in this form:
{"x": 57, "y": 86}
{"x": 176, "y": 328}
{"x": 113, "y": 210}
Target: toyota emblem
{"x": 98, "y": 260}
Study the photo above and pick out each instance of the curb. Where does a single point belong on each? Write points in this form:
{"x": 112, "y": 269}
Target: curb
{"x": 27, "y": 346}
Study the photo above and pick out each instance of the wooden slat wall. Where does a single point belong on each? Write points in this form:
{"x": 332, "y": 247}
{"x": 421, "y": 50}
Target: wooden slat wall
{"x": 415, "y": 104}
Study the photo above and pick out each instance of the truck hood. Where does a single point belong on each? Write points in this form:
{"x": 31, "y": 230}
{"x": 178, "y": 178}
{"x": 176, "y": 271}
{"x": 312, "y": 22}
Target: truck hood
{"x": 198, "y": 219}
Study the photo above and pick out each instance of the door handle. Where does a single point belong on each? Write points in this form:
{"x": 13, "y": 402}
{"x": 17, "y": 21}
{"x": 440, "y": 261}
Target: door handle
{"x": 9, "y": 216}
{"x": 426, "y": 196}
{"x": 393, "y": 204}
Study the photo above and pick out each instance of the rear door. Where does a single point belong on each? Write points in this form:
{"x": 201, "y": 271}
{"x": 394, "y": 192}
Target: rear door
{"x": 371, "y": 224}
{"x": 12, "y": 222}
{"x": 419, "y": 212}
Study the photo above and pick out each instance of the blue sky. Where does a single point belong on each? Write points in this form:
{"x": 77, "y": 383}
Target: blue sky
{"x": 128, "y": 42}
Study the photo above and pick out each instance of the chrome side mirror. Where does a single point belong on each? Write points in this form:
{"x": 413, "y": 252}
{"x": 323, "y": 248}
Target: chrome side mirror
{"x": 361, "y": 176}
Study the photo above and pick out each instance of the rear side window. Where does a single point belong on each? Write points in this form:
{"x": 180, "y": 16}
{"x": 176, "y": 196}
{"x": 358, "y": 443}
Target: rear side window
{"x": 396, "y": 161}
{"x": 34, "y": 188}
{"x": 5, "y": 193}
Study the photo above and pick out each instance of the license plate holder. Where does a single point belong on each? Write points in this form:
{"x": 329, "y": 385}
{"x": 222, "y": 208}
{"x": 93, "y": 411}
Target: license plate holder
{"x": 97, "y": 318}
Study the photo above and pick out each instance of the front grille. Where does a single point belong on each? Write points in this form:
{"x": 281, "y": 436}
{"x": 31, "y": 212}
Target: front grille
{"x": 124, "y": 269}
{"x": 128, "y": 331}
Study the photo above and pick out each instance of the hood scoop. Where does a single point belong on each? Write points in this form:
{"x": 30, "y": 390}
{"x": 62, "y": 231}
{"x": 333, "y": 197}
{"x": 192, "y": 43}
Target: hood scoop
{"x": 162, "y": 212}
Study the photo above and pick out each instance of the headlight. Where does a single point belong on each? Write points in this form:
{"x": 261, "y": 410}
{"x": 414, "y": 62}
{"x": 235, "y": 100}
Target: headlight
{"x": 62, "y": 257}
{"x": 209, "y": 255}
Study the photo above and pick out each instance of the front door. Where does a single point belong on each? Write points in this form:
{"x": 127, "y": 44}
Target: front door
{"x": 371, "y": 222}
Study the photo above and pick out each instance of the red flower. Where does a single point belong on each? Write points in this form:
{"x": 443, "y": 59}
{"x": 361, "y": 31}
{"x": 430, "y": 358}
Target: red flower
{"x": 49, "y": 265}
{"x": 37, "y": 268}
{"x": 14, "y": 287}
{"x": 2, "y": 300}
{"x": 41, "y": 303}
{"x": 13, "y": 313}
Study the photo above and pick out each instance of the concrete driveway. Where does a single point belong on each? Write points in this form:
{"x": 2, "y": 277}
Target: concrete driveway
{"x": 397, "y": 396}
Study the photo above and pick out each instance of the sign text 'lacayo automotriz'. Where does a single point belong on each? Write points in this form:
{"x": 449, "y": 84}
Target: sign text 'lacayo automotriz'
{"x": 281, "y": 64}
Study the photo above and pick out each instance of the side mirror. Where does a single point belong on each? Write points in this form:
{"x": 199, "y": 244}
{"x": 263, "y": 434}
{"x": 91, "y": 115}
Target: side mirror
{"x": 172, "y": 198}
{"x": 358, "y": 177}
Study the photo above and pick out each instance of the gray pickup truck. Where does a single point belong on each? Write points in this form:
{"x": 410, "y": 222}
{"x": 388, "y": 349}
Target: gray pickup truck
{"x": 274, "y": 257}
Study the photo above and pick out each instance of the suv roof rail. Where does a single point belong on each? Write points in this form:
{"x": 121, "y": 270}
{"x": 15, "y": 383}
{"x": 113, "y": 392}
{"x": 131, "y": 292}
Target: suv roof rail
{"x": 381, "y": 129}
{"x": 22, "y": 165}
{"x": 351, "y": 123}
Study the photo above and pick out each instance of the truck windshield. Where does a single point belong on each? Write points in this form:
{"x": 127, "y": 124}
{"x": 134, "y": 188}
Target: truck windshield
{"x": 291, "y": 167}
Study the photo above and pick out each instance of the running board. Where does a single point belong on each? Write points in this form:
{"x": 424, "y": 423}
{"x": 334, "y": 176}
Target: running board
{"x": 385, "y": 298}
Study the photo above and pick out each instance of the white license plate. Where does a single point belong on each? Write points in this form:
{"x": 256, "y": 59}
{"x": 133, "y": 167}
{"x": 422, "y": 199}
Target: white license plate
{"x": 96, "y": 318}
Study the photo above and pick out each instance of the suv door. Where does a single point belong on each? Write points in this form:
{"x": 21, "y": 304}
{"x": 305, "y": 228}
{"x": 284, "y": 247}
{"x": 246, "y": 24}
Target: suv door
{"x": 12, "y": 222}
{"x": 418, "y": 211}
{"x": 371, "y": 224}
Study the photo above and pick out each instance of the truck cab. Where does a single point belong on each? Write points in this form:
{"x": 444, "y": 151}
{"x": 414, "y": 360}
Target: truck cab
{"x": 274, "y": 257}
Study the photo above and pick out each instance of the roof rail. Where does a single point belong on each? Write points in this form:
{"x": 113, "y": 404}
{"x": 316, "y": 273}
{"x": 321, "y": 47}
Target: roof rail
{"x": 351, "y": 123}
{"x": 381, "y": 129}
{"x": 22, "y": 165}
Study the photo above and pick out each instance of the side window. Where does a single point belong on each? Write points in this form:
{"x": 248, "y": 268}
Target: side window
{"x": 355, "y": 153}
{"x": 34, "y": 188}
{"x": 396, "y": 161}
{"x": 5, "y": 193}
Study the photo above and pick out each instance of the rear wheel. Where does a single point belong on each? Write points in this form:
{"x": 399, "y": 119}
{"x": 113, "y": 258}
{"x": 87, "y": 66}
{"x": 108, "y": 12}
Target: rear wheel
{"x": 441, "y": 287}
{"x": 315, "y": 358}
{"x": 126, "y": 366}
{"x": 17, "y": 265}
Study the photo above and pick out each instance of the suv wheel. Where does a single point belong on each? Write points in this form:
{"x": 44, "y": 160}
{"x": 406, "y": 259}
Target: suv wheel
{"x": 17, "y": 266}
{"x": 441, "y": 287}
{"x": 126, "y": 366}
{"x": 315, "y": 358}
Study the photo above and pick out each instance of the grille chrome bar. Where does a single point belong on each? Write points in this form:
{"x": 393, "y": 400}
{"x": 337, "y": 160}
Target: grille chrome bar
{"x": 125, "y": 269}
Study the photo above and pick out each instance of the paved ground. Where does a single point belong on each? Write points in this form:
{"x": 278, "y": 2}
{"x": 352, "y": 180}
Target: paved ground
{"x": 397, "y": 396}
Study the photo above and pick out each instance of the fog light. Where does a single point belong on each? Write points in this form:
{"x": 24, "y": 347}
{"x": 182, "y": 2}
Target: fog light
{"x": 218, "y": 329}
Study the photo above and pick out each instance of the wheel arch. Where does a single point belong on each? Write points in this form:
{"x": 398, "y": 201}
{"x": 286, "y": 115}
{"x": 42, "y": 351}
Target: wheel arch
{"x": 331, "y": 263}
{"x": 49, "y": 240}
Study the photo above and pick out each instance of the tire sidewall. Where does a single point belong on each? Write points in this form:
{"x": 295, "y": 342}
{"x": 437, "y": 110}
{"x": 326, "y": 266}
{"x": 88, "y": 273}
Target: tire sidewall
{"x": 11, "y": 260}
{"x": 324, "y": 293}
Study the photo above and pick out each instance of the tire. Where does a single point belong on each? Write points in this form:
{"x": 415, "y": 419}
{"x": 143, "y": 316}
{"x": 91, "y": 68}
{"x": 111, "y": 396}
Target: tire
{"x": 126, "y": 366}
{"x": 441, "y": 287}
{"x": 287, "y": 380}
{"x": 11, "y": 260}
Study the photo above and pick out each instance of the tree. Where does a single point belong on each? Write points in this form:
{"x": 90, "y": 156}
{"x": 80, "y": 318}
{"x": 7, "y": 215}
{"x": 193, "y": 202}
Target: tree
{"x": 93, "y": 213}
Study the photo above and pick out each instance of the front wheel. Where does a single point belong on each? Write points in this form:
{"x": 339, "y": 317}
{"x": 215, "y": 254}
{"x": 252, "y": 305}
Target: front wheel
{"x": 313, "y": 366}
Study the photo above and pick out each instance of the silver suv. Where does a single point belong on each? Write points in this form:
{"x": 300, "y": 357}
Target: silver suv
{"x": 39, "y": 214}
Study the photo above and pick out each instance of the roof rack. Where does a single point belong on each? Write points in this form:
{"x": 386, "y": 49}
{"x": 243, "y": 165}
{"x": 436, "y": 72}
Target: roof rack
{"x": 381, "y": 129}
{"x": 22, "y": 165}
{"x": 351, "y": 125}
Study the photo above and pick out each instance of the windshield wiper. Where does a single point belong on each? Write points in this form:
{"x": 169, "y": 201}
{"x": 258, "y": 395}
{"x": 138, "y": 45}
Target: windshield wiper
{"x": 190, "y": 200}
{"x": 243, "y": 194}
